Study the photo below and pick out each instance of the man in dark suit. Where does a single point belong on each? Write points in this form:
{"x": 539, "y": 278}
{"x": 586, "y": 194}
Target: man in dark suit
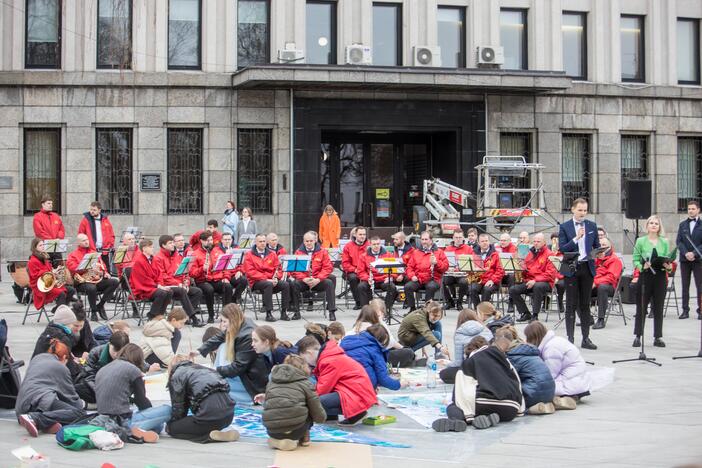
{"x": 578, "y": 235}
{"x": 689, "y": 244}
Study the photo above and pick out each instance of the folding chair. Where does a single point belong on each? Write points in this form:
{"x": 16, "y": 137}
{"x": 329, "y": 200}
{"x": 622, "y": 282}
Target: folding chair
{"x": 126, "y": 300}
{"x": 254, "y": 298}
{"x": 39, "y": 312}
{"x": 616, "y": 300}
{"x": 671, "y": 292}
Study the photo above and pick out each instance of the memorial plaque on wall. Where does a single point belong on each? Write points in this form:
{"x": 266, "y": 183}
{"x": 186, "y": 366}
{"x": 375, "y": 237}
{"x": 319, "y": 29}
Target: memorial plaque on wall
{"x": 151, "y": 182}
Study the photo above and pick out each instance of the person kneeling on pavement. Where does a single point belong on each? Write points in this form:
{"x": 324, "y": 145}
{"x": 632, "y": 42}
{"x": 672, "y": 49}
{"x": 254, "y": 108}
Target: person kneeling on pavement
{"x": 423, "y": 327}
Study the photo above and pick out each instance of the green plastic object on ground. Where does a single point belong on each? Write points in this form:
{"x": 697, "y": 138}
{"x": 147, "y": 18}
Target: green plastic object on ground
{"x": 378, "y": 420}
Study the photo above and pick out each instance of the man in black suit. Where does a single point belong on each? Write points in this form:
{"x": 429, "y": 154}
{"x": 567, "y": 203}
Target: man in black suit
{"x": 689, "y": 244}
{"x": 578, "y": 235}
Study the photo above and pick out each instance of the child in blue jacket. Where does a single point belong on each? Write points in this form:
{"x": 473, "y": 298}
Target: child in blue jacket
{"x": 368, "y": 349}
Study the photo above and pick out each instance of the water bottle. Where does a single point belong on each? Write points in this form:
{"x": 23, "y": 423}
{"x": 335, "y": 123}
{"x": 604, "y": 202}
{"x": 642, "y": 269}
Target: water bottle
{"x": 431, "y": 372}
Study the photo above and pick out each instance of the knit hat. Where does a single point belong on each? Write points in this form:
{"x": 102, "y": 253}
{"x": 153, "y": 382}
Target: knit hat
{"x": 64, "y": 315}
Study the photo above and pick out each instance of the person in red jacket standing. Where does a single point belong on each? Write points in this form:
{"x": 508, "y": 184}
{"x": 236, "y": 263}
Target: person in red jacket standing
{"x": 491, "y": 278}
{"x": 105, "y": 286}
{"x": 166, "y": 263}
{"x": 144, "y": 280}
{"x": 426, "y": 266}
{"x": 48, "y": 225}
{"x": 236, "y": 276}
{"x": 210, "y": 282}
{"x": 318, "y": 278}
{"x": 212, "y": 229}
{"x": 39, "y": 264}
{"x": 380, "y": 280}
{"x": 608, "y": 271}
{"x": 263, "y": 272}
{"x": 99, "y": 230}
{"x": 538, "y": 278}
{"x": 459, "y": 247}
{"x": 343, "y": 385}
{"x": 350, "y": 259}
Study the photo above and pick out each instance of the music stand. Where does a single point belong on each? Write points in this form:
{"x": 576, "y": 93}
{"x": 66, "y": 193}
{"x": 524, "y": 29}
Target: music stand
{"x": 452, "y": 260}
{"x": 184, "y": 266}
{"x": 123, "y": 254}
{"x": 389, "y": 266}
{"x": 88, "y": 261}
{"x": 55, "y": 245}
{"x": 222, "y": 262}
{"x": 295, "y": 263}
{"x": 246, "y": 241}
{"x": 334, "y": 254}
{"x": 470, "y": 264}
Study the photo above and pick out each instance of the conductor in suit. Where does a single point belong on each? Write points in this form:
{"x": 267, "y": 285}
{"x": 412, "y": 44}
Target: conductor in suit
{"x": 689, "y": 243}
{"x": 579, "y": 235}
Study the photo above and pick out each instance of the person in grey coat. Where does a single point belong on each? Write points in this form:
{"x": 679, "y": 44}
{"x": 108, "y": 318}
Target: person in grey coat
{"x": 468, "y": 326}
{"x": 246, "y": 224}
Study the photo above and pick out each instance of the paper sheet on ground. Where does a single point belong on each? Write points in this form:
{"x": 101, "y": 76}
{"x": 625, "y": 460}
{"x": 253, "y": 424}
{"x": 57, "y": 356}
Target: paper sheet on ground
{"x": 156, "y": 390}
{"x": 424, "y": 408}
{"x": 324, "y": 455}
{"x": 417, "y": 379}
{"x": 600, "y": 377}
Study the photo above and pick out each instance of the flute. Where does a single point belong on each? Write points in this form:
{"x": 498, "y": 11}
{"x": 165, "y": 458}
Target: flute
{"x": 432, "y": 259}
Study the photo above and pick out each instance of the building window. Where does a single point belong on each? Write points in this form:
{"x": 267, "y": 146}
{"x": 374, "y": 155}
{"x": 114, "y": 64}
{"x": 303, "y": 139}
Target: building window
{"x": 513, "y": 37}
{"x": 113, "y": 158}
{"x": 576, "y": 169}
{"x": 387, "y": 34}
{"x": 634, "y": 161}
{"x": 184, "y": 34}
{"x": 321, "y": 32}
{"x": 515, "y": 144}
{"x": 184, "y": 170}
{"x": 114, "y": 34}
{"x": 42, "y": 167}
{"x": 43, "y": 34}
{"x": 254, "y": 163}
{"x": 689, "y": 171}
{"x": 452, "y": 36}
{"x": 633, "y": 46}
{"x": 574, "y": 31}
{"x": 253, "y": 33}
{"x": 688, "y": 51}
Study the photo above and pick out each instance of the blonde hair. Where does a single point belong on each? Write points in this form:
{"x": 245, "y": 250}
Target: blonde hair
{"x": 487, "y": 310}
{"x": 234, "y": 314}
{"x": 177, "y": 359}
{"x": 661, "y": 230}
{"x": 119, "y": 325}
{"x": 297, "y": 362}
{"x": 433, "y": 307}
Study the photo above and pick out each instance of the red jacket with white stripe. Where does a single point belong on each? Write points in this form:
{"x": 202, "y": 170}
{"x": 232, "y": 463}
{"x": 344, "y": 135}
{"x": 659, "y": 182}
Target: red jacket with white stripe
{"x": 261, "y": 267}
{"x": 320, "y": 266}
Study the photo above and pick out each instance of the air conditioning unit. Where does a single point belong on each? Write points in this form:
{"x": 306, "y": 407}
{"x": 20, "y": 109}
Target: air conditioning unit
{"x": 427, "y": 56}
{"x": 359, "y": 54}
{"x": 491, "y": 55}
{"x": 291, "y": 56}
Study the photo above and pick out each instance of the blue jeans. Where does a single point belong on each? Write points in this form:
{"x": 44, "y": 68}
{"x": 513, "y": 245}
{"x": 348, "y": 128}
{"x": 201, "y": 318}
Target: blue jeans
{"x": 331, "y": 404}
{"x": 422, "y": 342}
{"x": 237, "y": 391}
{"x": 151, "y": 419}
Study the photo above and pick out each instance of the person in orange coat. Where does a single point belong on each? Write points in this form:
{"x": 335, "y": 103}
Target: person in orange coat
{"x": 426, "y": 266}
{"x": 608, "y": 271}
{"x": 39, "y": 264}
{"x": 329, "y": 228}
{"x": 539, "y": 277}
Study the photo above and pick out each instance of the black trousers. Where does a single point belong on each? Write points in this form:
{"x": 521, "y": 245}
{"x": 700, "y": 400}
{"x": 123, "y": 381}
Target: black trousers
{"x": 238, "y": 288}
{"x": 688, "y": 269}
{"x": 538, "y": 292}
{"x": 560, "y": 292}
{"x": 175, "y": 342}
{"x": 106, "y": 287}
{"x": 328, "y": 285}
{"x": 412, "y": 287}
{"x": 159, "y": 302}
{"x": 209, "y": 288}
{"x": 403, "y": 357}
{"x": 578, "y": 292}
{"x": 190, "y": 428}
{"x": 450, "y": 283}
{"x": 353, "y": 281}
{"x": 190, "y": 299}
{"x": 650, "y": 289}
{"x": 480, "y": 293}
{"x": 366, "y": 294}
{"x": 56, "y": 412}
{"x": 267, "y": 290}
{"x": 603, "y": 292}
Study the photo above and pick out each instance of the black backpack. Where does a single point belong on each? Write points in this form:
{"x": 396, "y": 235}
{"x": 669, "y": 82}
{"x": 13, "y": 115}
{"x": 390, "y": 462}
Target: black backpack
{"x": 10, "y": 378}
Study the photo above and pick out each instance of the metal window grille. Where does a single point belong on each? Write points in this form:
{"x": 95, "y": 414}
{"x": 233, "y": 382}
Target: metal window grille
{"x": 634, "y": 161}
{"x": 575, "y": 171}
{"x": 42, "y": 167}
{"x": 114, "y": 169}
{"x": 517, "y": 144}
{"x": 689, "y": 171}
{"x": 184, "y": 170}
{"x": 254, "y": 162}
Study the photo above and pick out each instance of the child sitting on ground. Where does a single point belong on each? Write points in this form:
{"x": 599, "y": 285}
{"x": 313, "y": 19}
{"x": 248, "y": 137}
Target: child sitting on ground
{"x": 468, "y": 325}
{"x": 492, "y": 318}
{"x": 335, "y": 331}
{"x": 565, "y": 363}
{"x": 291, "y": 405}
{"x": 103, "y": 333}
{"x": 265, "y": 341}
{"x": 162, "y": 337}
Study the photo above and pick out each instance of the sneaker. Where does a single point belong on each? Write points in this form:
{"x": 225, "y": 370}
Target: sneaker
{"x": 486, "y": 420}
{"x": 564, "y": 403}
{"x": 150, "y": 437}
{"x": 542, "y": 408}
{"x": 53, "y": 429}
{"x": 305, "y": 441}
{"x": 224, "y": 436}
{"x": 27, "y": 422}
{"x": 352, "y": 421}
{"x": 282, "y": 444}
{"x": 449, "y": 425}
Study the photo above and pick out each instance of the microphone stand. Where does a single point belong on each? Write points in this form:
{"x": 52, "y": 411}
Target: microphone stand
{"x": 699, "y": 305}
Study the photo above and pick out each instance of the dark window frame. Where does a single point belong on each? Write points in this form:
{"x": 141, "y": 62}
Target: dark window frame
{"x": 567, "y": 196}
{"x": 682, "y": 202}
{"x": 268, "y": 31}
{"x": 131, "y": 41}
{"x": 107, "y": 207}
{"x": 642, "y": 48}
{"x": 59, "y": 43}
{"x": 644, "y": 160}
{"x": 696, "y": 22}
{"x": 169, "y": 183}
{"x": 398, "y": 33}
{"x": 334, "y": 59}
{"x": 462, "y": 63}
{"x": 199, "y": 42}
{"x": 57, "y": 201}
{"x": 525, "y": 44}
{"x": 248, "y": 200}
{"x": 583, "y": 49}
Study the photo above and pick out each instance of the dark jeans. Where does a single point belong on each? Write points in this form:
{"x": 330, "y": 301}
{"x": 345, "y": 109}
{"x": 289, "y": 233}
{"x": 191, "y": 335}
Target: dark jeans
{"x": 190, "y": 428}
{"x": 353, "y": 281}
{"x": 209, "y": 288}
{"x": 57, "y": 412}
{"x": 538, "y": 292}
{"x": 603, "y": 292}
{"x": 448, "y": 375}
{"x": 688, "y": 269}
{"x": 651, "y": 289}
{"x": 578, "y": 292}
{"x": 238, "y": 288}
{"x": 267, "y": 290}
{"x": 480, "y": 293}
{"x": 159, "y": 301}
{"x": 450, "y": 283}
{"x": 560, "y": 292}
{"x": 412, "y": 287}
{"x": 331, "y": 404}
{"x": 296, "y": 434}
{"x": 106, "y": 287}
{"x": 366, "y": 295}
{"x": 189, "y": 299}
{"x": 327, "y": 285}
{"x": 175, "y": 341}
{"x": 403, "y": 357}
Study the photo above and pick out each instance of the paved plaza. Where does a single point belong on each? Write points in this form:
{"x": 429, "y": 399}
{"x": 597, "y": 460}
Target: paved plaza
{"x": 649, "y": 417}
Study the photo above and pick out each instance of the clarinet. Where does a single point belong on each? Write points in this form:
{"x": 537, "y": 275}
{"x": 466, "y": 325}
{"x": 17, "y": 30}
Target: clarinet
{"x": 431, "y": 267}
{"x": 370, "y": 278}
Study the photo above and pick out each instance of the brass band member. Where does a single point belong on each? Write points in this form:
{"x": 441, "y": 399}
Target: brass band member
{"x": 459, "y": 247}
{"x": 93, "y": 281}
{"x": 350, "y": 260}
{"x": 209, "y": 281}
{"x": 472, "y": 238}
{"x": 491, "y": 278}
{"x": 374, "y": 279}
{"x": 263, "y": 272}
{"x": 426, "y": 266}
{"x": 274, "y": 245}
{"x": 318, "y": 278}
{"x": 181, "y": 247}
{"x": 609, "y": 270}
{"x": 539, "y": 276}
{"x": 236, "y": 276}
{"x": 39, "y": 265}
{"x": 128, "y": 240}
{"x": 99, "y": 230}
{"x": 144, "y": 280}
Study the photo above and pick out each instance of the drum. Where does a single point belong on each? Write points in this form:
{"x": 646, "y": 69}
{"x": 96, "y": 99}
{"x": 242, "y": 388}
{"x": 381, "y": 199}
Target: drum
{"x": 18, "y": 272}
